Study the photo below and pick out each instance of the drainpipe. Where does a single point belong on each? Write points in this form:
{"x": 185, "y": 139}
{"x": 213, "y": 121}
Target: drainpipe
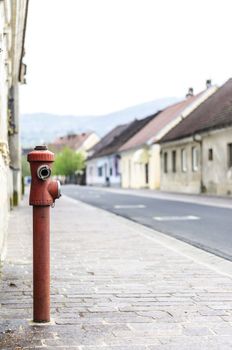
{"x": 198, "y": 138}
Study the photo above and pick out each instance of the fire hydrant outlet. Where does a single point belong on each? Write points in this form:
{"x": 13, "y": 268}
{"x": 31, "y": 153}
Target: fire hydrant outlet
{"x": 54, "y": 189}
{"x": 44, "y": 172}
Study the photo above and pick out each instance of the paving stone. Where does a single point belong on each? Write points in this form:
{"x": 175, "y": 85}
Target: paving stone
{"x": 130, "y": 347}
{"x": 196, "y": 330}
{"x": 225, "y": 329}
{"x": 112, "y": 288}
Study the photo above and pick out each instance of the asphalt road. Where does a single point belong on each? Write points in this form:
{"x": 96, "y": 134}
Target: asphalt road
{"x": 204, "y": 226}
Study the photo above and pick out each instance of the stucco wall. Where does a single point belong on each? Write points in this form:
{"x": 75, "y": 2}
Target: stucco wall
{"x": 154, "y": 167}
{"x": 213, "y": 176}
{"x": 188, "y": 181}
{"x": 133, "y": 168}
{"x": 106, "y": 163}
{"x": 92, "y": 177}
{"x": 88, "y": 144}
{"x": 217, "y": 176}
{"x": 4, "y": 149}
{"x": 12, "y": 23}
{"x": 126, "y": 164}
{"x": 5, "y": 195}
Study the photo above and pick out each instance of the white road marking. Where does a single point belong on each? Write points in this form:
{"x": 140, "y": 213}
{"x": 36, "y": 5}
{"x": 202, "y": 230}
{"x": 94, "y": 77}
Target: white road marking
{"x": 92, "y": 195}
{"x": 129, "y": 206}
{"x": 176, "y": 218}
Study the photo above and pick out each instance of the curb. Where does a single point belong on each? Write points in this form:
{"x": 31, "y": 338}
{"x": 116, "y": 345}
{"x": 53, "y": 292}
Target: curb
{"x": 199, "y": 256}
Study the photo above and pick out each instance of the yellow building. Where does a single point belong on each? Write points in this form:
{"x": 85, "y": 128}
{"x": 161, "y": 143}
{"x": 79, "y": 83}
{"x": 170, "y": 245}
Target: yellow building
{"x": 197, "y": 154}
{"x": 140, "y": 155}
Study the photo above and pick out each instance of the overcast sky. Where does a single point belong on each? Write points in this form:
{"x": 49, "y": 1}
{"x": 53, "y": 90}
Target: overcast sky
{"x": 92, "y": 57}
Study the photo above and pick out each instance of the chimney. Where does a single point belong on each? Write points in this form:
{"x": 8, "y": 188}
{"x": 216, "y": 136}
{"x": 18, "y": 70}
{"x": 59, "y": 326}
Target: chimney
{"x": 190, "y": 92}
{"x": 208, "y": 83}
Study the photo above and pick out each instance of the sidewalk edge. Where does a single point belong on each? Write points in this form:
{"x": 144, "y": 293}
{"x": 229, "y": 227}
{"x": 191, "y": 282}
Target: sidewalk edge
{"x": 215, "y": 263}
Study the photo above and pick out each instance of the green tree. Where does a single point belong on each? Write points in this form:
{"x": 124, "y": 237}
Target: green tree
{"x": 67, "y": 162}
{"x": 25, "y": 166}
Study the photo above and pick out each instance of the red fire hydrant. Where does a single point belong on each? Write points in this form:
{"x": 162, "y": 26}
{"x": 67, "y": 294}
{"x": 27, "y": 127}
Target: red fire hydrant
{"x": 43, "y": 194}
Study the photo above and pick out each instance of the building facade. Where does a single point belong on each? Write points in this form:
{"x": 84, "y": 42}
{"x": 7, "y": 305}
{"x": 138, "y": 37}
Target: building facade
{"x": 196, "y": 156}
{"x": 181, "y": 166}
{"x": 13, "y": 17}
{"x": 98, "y": 168}
{"x": 104, "y": 171}
{"x": 104, "y": 166}
{"x": 199, "y": 166}
{"x": 140, "y": 156}
{"x": 135, "y": 168}
{"x": 80, "y": 143}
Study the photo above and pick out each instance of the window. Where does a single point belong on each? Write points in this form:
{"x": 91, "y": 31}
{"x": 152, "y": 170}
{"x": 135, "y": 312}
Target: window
{"x": 147, "y": 173}
{"x": 165, "y": 162}
{"x": 210, "y": 154}
{"x": 117, "y": 164}
{"x": 174, "y": 161}
{"x": 195, "y": 159}
{"x": 183, "y": 160}
{"x": 100, "y": 171}
{"x": 229, "y": 147}
{"x": 111, "y": 171}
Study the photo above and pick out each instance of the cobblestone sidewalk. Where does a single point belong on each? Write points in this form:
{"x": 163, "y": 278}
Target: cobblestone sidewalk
{"x": 115, "y": 285}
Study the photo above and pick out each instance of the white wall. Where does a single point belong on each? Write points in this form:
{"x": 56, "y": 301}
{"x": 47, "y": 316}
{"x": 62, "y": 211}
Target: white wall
{"x": 106, "y": 163}
{"x": 5, "y": 178}
{"x": 12, "y": 15}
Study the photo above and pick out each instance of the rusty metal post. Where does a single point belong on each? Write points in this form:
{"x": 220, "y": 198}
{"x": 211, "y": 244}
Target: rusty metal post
{"x": 43, "y": 194}
{"x": 41, "y": 264}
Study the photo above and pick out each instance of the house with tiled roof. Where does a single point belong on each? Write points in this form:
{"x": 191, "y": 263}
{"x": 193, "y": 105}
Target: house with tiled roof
{"x": 80, "y": 143}
{"x": 103, "y": 166}
{"x": 196, "y": 155}
{"x": 140, "y": 155}
{"x": 106, "y": 140}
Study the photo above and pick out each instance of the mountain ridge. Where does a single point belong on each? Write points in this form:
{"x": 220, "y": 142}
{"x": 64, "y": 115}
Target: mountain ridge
{"x": 37, "y": 128}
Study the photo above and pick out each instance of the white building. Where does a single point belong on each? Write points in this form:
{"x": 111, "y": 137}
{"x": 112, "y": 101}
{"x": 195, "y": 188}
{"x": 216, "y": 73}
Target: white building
{"x": 104, "y": 169}
{"x": 104, "y": 166}
{"x": 13, "y": 16}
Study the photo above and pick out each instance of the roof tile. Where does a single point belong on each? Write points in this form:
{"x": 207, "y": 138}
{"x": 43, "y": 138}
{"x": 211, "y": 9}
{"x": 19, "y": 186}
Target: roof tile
{"x": 131, "y": 129}
{"x": 158, "y": 123}
{"x": 213, "y": 113}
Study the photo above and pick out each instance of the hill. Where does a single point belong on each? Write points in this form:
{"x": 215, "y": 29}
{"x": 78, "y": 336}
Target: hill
{"x": 40, "y": 128}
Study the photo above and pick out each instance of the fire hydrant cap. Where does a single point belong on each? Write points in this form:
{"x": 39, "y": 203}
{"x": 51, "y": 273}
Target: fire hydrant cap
{"x": 40, "y": 154}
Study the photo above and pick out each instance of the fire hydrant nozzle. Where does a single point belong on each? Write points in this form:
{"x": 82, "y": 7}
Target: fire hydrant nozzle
{"x": 43, "y": 194}
{"x": 40, "y": 161}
